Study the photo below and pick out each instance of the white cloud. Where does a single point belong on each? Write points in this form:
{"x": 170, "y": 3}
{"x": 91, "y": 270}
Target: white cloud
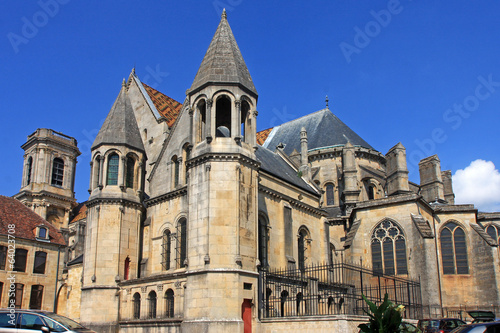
{"x": 479, "y": 183}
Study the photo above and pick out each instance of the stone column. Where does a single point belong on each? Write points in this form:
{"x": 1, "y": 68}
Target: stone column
{"x": 236, "y": 120}
{"x": 210, "y": 128}
{"x": 121, "y": 173}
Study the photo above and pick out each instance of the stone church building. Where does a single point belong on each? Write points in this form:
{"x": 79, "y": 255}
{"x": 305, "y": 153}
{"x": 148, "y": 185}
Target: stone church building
{"x": 190, "y": 207}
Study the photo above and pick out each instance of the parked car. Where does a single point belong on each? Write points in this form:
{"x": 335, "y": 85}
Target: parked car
{"x": 488, "y": 327}
{"x": 17, "y": 320}
{"x": 481, "y": 316}
{"x": 443, "y": 325}
{"x": 406, "y": 327}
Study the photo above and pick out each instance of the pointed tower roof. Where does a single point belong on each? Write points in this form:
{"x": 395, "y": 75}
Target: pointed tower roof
{"x": 223, "y": 62}
{"x": 120, "y": 126}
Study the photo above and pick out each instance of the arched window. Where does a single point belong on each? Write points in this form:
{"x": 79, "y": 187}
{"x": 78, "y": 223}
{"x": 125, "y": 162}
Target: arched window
{"x": 129, "y": 180}
{"x": 301, "y": 246}
{"x": 200, "y": 121}
{"x": 454, "y": 249}
{"x": 165, "y": 253}
{"x": 169, "y": 303}
{"x": 57, "y": 172}
{"x": 330, "y": 200}
{"x": 223, "y": 117}
{"x": 28, "y": 170}
{"x": 152, "y": 304}
{"x": 299, "y": 299}
{"x": 494, "y": 232}
{"x": 181, "y": 243}
{"x": 388, "y": 247}
{"x": 284, "y": 296}
{"x": 245, "y": 120}
{"x": 36, "y": 297}
{"x": 137, "y": 306}
{"x": 40, "y": 260}
{"x": 175, "y": 174}
{"x": 263, "y": 242}
{"x": 113, "y": 163}
{"x": 371, "y": 192}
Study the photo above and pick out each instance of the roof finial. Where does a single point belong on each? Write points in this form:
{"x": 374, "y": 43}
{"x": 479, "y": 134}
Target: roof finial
{"x": 124, "y": 83}
{"x": 326, "y": 100}
{"x": 224, "y": 15}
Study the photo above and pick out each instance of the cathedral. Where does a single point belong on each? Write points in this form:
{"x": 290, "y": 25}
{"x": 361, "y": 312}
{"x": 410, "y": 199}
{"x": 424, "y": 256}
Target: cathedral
{"x": 196, "y": 222}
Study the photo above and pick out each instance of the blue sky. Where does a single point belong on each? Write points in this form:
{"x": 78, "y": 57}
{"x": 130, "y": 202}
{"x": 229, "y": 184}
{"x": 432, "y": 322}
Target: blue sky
{"x": 422, "y": 73}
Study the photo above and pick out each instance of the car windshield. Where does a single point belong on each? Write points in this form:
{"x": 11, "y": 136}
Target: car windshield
{"x": 71, "y": 324}
{"x": 429, "y": 323}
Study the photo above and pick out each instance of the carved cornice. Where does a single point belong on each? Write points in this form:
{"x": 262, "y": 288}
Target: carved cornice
{"x": 167, "y": 196}
{"x": 223, "y": 157}
{"x": 114, "y": 201}
{"x": 293, "y": 202}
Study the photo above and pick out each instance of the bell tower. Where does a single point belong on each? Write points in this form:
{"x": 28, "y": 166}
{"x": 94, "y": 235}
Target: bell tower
{"x": 222, "y": 189}
{"x": 49, "y": 175}
{"x": 114, "y": 213}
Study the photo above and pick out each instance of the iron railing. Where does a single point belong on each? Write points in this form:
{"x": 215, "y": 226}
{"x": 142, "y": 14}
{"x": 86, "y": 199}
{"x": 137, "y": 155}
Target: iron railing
{"x": 328, "y": 289}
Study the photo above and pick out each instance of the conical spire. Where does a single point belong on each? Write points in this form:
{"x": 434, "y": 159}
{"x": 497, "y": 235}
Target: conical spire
{"x": 120, "y": 126}
{"x": 223, "y": 62}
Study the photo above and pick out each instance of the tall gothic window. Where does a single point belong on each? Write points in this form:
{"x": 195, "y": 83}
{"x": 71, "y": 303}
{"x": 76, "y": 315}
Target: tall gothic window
{"x": 169, "y": 303}
{"x": 152, "y": 304}
{"x": 113, "y": 163}
{"x": 454, "y": 249}
{"x": 28, "y": 170}
{"x": 263, "y": 242}
{"x": 36, "y": 297}
{"x": 129, "y": 180}
{"x": 57, "y": 172}
{"x": 175, "y": 174}
{"x": 166, "y": 245}
{"x": 181, "y": 243}
{"x": 137, "y": 305}
{"x": 302, "y": 248}
{"x": 330, "y": 201}
{"x": 494, "y": 232}
{"x": 388, "y": 247}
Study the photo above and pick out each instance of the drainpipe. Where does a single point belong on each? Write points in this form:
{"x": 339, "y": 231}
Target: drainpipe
{"x": 57, "y": 277}
{"x": 437, "y": 261}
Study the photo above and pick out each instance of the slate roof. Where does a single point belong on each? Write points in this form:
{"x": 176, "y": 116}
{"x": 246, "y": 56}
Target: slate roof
{"x": 120, "y": 126}
{"x": 168, "y": 107}
{"x": 323, "y": 128}
{"x": 484, "y": 235}
{"x": 422, "y": 225}
{"x": 13, "y": 211}
{"x": 278, "y": 167}
{"x": 352, "y": 233}
{"x": 223, "y": 62}
{"x": 77, "y": 260}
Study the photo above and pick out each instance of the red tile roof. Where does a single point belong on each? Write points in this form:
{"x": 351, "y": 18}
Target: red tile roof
{"x": 79, "y": 212}
{"x": 12, "y": 211}
{"x": 262, "y": 135}
{"x": 166, "y": 106}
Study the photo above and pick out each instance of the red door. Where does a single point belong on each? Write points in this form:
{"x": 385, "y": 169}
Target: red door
{"x": 246, "y": 315}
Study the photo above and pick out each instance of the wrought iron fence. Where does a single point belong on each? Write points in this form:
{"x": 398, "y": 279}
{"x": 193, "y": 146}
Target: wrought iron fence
{"x": 459, "y": 311}
{"x": 327, "y": 289}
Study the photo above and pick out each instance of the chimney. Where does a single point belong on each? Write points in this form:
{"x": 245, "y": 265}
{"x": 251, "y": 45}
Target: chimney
{"x": 431, "y": 183}
{"x": 449, "y": 196}
{"x": 396, "y": 171}
{"x": 351, "y": 190}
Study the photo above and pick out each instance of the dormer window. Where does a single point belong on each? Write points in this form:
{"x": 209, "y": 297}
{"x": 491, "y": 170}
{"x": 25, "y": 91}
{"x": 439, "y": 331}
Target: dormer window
{"x": 42, "y": 233}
